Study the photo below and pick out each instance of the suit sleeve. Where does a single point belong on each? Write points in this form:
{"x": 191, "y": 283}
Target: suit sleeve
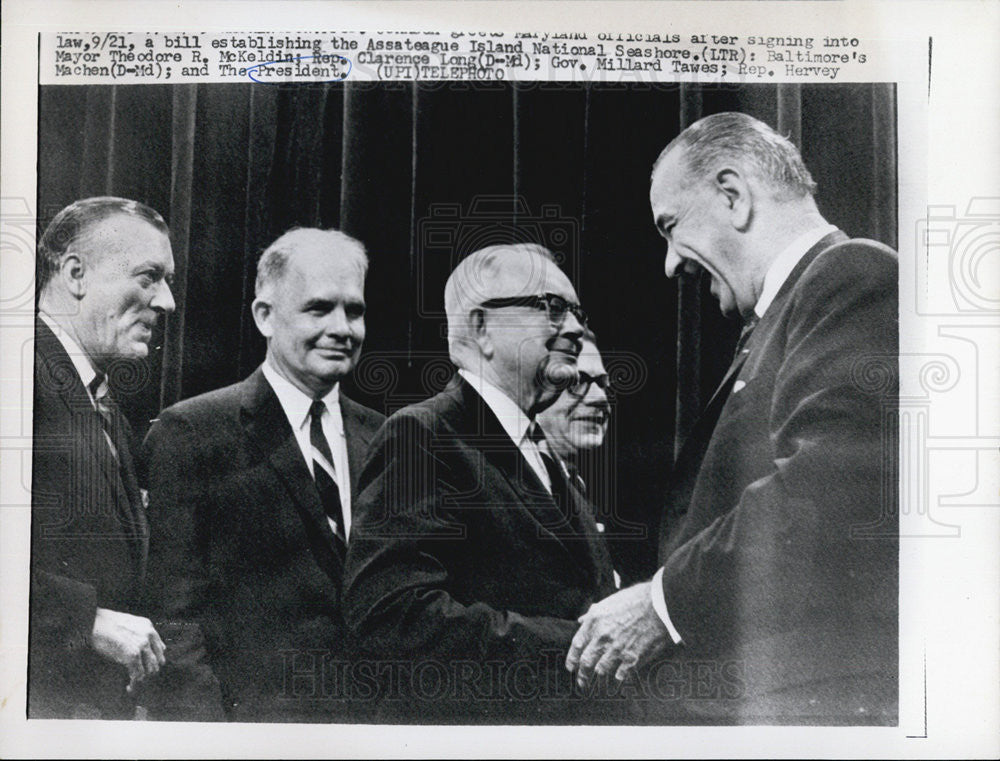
{"x": 177, "y": 580}
{"x": 63, "y": 607}
{"x": 398, "y": 597}
{"x": 62, "y": 611}
{"x": 177, "y": 577}
{"x": 795, "y": 538}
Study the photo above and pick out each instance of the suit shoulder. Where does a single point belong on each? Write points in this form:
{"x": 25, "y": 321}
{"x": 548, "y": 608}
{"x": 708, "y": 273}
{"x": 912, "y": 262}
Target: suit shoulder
{"x": 370, "y": 417}
{"x": 206, "y": 408}
{"x": 857, "y": 260}
{"x": 438, "y": 413}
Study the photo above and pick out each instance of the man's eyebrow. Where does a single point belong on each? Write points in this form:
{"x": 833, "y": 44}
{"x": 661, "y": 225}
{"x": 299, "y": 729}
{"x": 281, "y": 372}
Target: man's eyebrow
{"x": 317, "y": 302}
{"x": 149, "y": 265}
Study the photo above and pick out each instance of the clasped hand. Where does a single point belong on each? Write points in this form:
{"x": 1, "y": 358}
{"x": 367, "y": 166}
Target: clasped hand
{"x": 616, "y": 636}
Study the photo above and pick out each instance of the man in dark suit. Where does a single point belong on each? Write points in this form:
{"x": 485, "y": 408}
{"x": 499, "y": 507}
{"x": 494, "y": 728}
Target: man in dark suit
{"x": 473, "y": 554}
{"x": 103, "y": 269}
{"x": 251, "y": 491}
{"x": 780, "y": 547}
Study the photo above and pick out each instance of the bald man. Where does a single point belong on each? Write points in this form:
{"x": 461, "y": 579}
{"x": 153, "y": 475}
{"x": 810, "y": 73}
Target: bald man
{"x": 472, "y": 554}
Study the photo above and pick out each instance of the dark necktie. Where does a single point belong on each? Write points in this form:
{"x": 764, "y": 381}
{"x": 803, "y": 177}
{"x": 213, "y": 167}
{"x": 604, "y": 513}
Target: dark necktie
{"x": 567, "y": 496}
{"x": 115, "y": 433}
{"x": 745, "y": 335}
{"x": 107, "y": 412}
{"x": 323, "y": 466}
{"x": 575, "y": 478}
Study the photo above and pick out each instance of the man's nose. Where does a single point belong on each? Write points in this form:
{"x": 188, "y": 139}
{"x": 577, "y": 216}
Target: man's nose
{"x": 337, "y": 323}
{"x": 673, "y": 264}
{"x": 571, "y": 326}
{"x": 597, "y": 397}
{"x": 163, "y": 301}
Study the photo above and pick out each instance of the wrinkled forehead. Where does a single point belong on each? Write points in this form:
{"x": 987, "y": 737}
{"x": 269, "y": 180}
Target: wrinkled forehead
{"x": 317, "y": 271}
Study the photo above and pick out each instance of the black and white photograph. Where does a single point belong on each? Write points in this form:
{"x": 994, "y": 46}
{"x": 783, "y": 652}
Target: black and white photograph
{"x": 371, "y": 392}
{"x": 439, "y": 256}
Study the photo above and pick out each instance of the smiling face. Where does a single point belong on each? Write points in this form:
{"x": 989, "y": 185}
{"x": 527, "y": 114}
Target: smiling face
{"x": 694, "y": 216}
{"x": 125, "y": 266}
{"x": 527, "y": 352}
{"x": 571, "y": 423}
{"x": 313, "y": 317}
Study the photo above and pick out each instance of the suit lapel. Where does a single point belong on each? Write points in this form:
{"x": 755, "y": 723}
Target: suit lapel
{"x": 490, "y": 438}
{"x": 358, "y": 436}
{"x": 61, "y": 376}
{"x": 268, "y": 430}
{"x": 128, "y": 479}
{"x": 689, "y": 460}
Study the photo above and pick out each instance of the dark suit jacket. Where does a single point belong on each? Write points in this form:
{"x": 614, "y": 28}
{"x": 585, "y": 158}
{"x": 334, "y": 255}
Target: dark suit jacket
{"x": 241, "y": 546}
{"x": 464, "y": 579}
{"x": 782, "y": 553}
{"x": 88, "y": 544}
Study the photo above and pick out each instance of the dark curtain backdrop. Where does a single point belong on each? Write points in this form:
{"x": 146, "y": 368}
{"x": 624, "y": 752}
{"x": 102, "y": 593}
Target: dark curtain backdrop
{"x": 426, "y": 173}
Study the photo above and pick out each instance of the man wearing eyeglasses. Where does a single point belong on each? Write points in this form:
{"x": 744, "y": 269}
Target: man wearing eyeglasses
{"x": 473, "y": 554}
{"x": 578, "y": 419}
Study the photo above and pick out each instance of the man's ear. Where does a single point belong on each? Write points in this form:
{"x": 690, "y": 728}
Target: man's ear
{"x": 479, "y": 332}
{"x": 73, "y": 273}
{"x": 262, "y": 314}
{"x": 738, "y": 196}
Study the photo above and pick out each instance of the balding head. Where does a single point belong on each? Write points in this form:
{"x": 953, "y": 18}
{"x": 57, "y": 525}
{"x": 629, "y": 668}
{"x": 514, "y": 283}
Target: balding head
{"x": 273, "y": 262}
{"x": 493, "y": 272}
{"x": 735, "y": 139}
{"x": 501, "y": 323}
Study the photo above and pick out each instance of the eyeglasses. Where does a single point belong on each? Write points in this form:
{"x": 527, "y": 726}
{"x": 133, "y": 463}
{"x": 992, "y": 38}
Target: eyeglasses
{"x": 555, "y": 306}
{"x": 582, "y": 386}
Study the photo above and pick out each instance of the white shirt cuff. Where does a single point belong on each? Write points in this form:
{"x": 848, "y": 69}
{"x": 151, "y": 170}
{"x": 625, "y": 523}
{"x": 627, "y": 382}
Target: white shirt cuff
{"x": 660, "y": 606}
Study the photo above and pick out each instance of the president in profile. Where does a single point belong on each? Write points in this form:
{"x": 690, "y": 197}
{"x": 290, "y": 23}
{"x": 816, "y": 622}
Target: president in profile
{"x": 779, "y": 555}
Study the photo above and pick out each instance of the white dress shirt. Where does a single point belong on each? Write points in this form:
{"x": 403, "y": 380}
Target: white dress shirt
{"x": 296, "y": 406}
{"x": 77, "y": 355}
{"x": 774, "y": 278}
{"x": 514, "y": 421}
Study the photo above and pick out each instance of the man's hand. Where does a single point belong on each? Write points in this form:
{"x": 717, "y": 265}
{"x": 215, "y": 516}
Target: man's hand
{"x": 129, "y": 640}
{"x": 617, "y": 634}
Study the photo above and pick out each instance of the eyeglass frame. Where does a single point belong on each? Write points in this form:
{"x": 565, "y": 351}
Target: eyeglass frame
{"x": 585, "y": 380}
{"x": 539, "y": 301}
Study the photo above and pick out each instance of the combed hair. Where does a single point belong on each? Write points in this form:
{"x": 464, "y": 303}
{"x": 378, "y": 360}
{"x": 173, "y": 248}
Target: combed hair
{"x": 76, "y": 221}
{"x": 471, "y": 283}
{"x": 272, "y": 263}
{"x": 739, "y": 139}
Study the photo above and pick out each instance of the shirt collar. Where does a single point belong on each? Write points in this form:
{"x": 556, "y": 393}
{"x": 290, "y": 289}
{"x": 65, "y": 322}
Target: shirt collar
{"x": 77, "y": 355}
{"x": 295, "y": 403}
{"x": 511, "y": 417}
{"x": 785, "y": 262}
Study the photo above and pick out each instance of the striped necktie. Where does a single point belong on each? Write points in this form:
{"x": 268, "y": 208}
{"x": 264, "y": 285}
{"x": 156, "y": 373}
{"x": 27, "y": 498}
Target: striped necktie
{"x": 324, "y": 472}
{"x": 106, "y": 411}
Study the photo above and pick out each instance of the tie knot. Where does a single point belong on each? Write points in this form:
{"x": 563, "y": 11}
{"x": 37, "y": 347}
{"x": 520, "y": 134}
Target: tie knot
{"x": 316, "y": 409}
{"x": 98, "y": 388}
{"x": 535, "y": 433}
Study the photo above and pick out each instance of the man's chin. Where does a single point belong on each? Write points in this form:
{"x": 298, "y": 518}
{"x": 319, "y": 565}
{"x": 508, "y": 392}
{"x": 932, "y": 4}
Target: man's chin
{"x": 588, "y": 435}
{"x": 136, "y": 350}
{"x": 332, "y": 370}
